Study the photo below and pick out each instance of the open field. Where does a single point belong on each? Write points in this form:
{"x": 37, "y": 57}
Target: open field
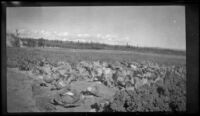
{"x": 74, "y": 55}
{"x": 75, "y": 80}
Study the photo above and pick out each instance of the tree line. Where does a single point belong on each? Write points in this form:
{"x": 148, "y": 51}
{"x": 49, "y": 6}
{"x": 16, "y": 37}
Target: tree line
{"x": 41, "y": 42}
{"x": 29, "y": 42}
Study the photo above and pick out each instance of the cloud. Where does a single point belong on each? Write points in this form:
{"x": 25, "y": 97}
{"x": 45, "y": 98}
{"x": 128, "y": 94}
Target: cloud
{"x": 63, "y": 34}
{"x": 83, "y": 35}
{"x": 44, "y": 33}
{"x": 127, "y": 38}
{"x": 109, "y": 36}
{"x": 99, "y": 35}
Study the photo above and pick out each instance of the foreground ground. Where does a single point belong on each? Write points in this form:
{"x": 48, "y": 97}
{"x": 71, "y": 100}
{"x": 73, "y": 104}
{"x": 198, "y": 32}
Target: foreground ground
{"x": 25, "y": 93}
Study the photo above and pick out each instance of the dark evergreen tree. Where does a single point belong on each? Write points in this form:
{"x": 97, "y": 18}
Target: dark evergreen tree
{"x": 41, "y": 42}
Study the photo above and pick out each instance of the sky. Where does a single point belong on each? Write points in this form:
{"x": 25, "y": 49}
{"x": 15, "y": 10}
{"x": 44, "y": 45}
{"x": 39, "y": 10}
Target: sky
{"x": 146, "y": 26}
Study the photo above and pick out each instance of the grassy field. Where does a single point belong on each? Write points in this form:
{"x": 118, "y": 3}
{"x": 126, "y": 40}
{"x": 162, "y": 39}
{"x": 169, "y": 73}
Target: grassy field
{"x": 75, "y": 55}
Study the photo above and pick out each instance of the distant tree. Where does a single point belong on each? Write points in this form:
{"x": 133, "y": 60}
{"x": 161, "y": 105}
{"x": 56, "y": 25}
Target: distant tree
{"x": 31, "y": 42}
{"x": 41, "y": 42}
{"x": 17, "y": 39}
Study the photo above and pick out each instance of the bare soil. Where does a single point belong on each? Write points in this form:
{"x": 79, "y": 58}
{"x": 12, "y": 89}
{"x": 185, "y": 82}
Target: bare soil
{"x": 20, "y": 95}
